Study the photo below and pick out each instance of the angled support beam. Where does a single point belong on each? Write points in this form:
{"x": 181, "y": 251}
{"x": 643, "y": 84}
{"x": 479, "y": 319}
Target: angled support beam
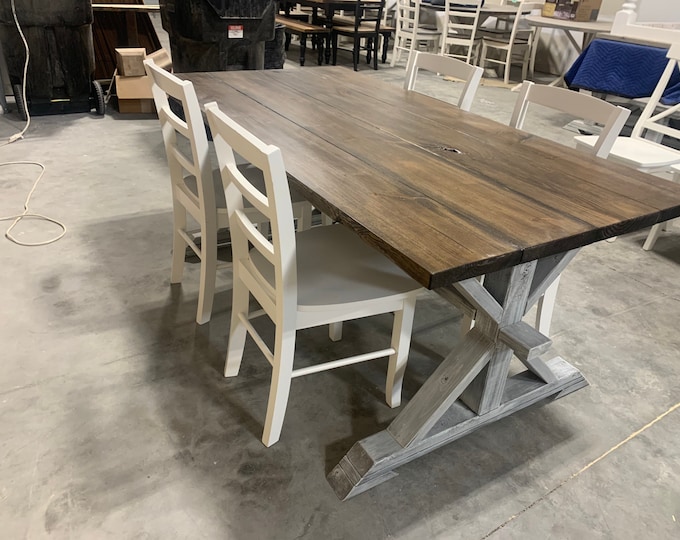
{"x": 371, "y": 461}
{"x": 471, "y": 387}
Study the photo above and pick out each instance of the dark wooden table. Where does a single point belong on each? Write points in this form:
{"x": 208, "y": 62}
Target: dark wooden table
{"x": 447, "y": 195}
{"x": 329, "y": 7}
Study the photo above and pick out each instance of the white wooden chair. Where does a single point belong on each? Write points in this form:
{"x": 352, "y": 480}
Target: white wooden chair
{"x": 196, "y": 185}
{"x": 513, "y": 48}
{"x": 583, "y": 106}
{"x": 409, "y": 33}
{"x": 643, "y": 149}
{"x": 452, "y": 67}
{"x": 324, "y": 275}
{"x": 660, "y": 22}
{"x": 654, "y": 233}
{"x": 460, "y": 38}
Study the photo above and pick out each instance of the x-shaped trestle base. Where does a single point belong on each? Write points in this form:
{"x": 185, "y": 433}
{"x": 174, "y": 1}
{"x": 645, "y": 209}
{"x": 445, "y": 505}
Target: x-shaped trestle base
{"x": 471, "y": 387}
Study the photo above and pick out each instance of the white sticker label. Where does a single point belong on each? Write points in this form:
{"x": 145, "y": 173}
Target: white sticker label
{"x": 235, "y": 31}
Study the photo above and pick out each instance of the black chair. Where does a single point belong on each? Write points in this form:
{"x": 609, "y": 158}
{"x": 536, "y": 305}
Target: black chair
{"x": 367, "y": 18}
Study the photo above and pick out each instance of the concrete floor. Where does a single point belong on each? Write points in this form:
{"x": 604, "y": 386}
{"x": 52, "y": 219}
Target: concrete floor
{"x": 115, "y": 420}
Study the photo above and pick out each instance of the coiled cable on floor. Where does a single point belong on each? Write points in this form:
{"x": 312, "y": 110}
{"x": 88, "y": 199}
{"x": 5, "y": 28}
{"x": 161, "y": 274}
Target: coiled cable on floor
{"x": 26, "y": 214}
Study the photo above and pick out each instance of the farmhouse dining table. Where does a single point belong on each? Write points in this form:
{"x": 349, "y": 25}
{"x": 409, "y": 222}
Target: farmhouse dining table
{"x": 448, "y": 195}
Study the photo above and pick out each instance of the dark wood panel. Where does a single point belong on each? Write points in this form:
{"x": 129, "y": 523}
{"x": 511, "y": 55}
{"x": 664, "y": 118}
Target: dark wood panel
{"x": 114, "y": 29}
{"x": 380, "y": 160}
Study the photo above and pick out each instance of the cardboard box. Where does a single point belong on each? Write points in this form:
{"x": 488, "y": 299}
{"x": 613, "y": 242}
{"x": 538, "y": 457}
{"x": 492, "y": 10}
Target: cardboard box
{"x": 132, "y": 106}
{"x": 134, "y": 94}
{"x": 573, "y": 10}
{"x": 130, "y": 61}
{"x": 162, "y": 59}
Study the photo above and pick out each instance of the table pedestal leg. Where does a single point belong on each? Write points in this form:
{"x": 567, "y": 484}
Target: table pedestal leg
{"x": 471, "y": 387}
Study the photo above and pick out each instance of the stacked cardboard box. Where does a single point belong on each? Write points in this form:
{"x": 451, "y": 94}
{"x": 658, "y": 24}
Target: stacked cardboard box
{"x": 574, "y": 10}
{"x": 133, "y": 85}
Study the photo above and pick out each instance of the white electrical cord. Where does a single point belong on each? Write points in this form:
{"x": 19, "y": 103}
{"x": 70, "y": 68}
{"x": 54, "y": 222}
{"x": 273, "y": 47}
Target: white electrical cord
{"x": 20, "y": 135}
{"x": 26, "y": 214}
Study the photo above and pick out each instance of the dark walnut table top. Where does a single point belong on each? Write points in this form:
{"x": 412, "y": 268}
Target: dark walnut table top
{"x": 447, "y": 194}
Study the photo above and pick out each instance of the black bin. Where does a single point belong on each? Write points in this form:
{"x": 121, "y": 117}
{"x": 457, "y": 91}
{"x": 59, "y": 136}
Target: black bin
{"x": 218, "y": 35}
{"x": 61, "y": 56}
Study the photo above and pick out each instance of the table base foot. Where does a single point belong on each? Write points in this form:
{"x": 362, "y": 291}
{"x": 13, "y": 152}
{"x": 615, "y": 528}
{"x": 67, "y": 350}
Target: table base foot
{"x": 372, "y": 460}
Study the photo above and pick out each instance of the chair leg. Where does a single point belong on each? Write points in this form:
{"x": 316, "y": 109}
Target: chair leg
{"x": 545, "y": 308}
{"x": 401, "y": 343}
{"x": 178, "y": 243}
{"x": 304, "y": 217}
{"x": 355, "y": 52}
{"x": 279, "y": 390}
{"x": 335, "y": 48}
{"x": 335, "y": 331}
{"x": 653, "y": 236}
{"x": 320, "y": 45}
{"x": 482, "y": 58}
{"x": 237, "y": 330}
{"x": 206, "y": 291}
{"x": 525, "y": 65}
{"x": 373, "y": 45}
{"x": 303, "y": 48}
{"x": 398, "y": 47}
{"x": 506, "y": 69}
{"x": 385, "y": 46}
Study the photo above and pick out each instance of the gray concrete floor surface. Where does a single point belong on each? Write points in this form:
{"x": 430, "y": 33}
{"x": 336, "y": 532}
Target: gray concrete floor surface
{"x": 116, "y": 421}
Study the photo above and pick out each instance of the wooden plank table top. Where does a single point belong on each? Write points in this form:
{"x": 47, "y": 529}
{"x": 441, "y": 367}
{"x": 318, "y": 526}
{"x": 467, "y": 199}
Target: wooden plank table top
{"x": 446, "y": 194}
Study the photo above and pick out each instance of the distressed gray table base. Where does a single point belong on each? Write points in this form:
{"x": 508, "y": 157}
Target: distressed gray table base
{"x": 471, "y": 387}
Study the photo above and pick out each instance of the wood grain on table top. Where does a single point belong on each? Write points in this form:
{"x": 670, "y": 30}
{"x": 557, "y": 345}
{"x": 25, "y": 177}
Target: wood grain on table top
{"x": 446, "y": 194}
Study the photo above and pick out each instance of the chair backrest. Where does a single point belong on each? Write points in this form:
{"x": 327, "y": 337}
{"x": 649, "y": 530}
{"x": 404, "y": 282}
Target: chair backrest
{"x": 461, "y": 18}
{"x": 520, "y": 28}
{"x": 275, "y": 204}
{"x": 658, "y": 123}
{"x": 452, "y": 67}
{"x": 368, "y": 15}
{"x": 576, "y": 104}
{"x": 408, "y": 16}
{"x": 178, "y": 133}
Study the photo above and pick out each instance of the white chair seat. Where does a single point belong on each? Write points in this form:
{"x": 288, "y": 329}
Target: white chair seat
{"x": 336, "y": 267}
{"x": 637, "y": 153}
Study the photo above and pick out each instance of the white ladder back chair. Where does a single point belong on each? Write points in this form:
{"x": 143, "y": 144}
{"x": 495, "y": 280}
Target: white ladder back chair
{"x": 515, "y": 48}
{"x": 460, "y": 29}
{"x": 641, "y": 150}
{"x": 644, "y": 149}
{"x": 582, "y": 106}
{"x": 321, "y": 276}
{"x": 409, "y": 33}
{"x": 193, "y": 183}
{"x": 445, "y": 65}
{"x": 197, "y": 188}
